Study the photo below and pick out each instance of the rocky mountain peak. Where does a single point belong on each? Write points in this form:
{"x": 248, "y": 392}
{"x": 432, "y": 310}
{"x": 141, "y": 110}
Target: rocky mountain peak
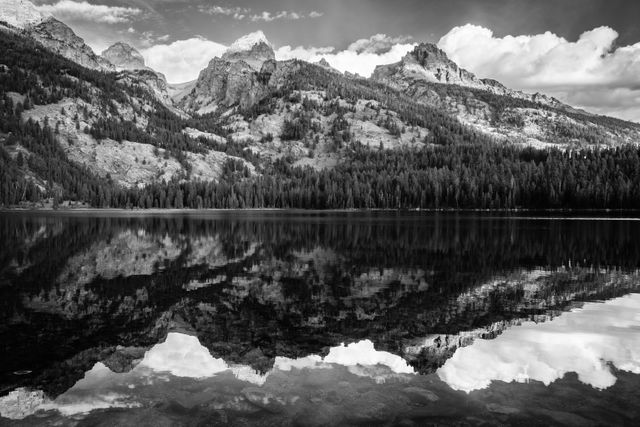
{"x": 428, "y": 63}
{"x": 59, "y": 38}
{"x": 20, "y": 13}
{"x": 254, "y": 49}
{"x": 324, "y": 63}
{"x": 431, "y": 63}
{"x": 124, "y": 57}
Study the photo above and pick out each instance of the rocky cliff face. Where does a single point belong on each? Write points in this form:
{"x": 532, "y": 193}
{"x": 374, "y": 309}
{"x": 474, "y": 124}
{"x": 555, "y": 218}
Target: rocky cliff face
{"x": 59, "y": 38}
{"x": 124, "y": 57}
{"x": 223, "y": 84}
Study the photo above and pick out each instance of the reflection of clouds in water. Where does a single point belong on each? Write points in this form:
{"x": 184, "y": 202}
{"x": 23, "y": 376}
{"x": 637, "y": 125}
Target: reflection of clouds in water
{"x": 583, "y": 341}
{"x": 363, "y": 353}
{"x": 183, "y": 356}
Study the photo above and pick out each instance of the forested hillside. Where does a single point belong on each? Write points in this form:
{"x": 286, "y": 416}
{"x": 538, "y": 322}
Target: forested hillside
{"x": 314, "y": 139}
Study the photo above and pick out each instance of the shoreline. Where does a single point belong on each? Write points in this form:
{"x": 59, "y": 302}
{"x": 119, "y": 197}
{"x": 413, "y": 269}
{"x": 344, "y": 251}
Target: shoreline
{"x": 159, "y": 211}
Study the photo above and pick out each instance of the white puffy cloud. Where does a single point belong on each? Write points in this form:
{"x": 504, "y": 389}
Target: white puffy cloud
{"x": 583, "y": 341}
{"x": 182, "y": 60}
{"x": 580, "y": 72}
{"x": 85, "y": 11}
{"x": 362, "y": 63}
{"x": 378, "y": 43}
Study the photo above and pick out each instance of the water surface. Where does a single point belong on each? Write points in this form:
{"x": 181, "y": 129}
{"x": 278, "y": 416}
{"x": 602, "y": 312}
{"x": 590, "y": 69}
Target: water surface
{"x": 271, "y": 318}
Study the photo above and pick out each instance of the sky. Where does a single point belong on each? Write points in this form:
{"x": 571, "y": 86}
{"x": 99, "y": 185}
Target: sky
{"x": 584, "y": 52}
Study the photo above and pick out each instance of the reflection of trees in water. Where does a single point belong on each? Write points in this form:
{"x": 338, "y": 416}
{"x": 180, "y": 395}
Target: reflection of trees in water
{"x": 292, "y": 286}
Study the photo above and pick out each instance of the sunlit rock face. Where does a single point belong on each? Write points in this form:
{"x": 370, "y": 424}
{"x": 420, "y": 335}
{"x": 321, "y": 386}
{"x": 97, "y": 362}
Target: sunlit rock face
{"x": 584, "y": 341}
{"x": 241, "y": 77}
{"x": 225, "y": 83}
{"x": 124, "y": 57}
{"x": 59, "y": 38}
{"x": 20, "y": 13}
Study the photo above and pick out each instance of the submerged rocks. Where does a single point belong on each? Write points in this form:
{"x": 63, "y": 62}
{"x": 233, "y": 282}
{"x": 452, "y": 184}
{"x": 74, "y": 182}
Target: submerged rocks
{"x": 21, "y": 403}
{"x": 420, "y": 396}
{"x": 264, "y": 399}
{"x": 501, "y": 409}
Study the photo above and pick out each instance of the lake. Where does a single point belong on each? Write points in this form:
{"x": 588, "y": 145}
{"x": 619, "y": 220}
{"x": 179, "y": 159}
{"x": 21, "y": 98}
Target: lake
{"x": 318, "y": 318}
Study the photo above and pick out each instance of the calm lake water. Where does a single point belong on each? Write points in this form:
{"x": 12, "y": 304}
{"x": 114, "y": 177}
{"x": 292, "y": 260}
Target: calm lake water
{"x": 271, "y": 318}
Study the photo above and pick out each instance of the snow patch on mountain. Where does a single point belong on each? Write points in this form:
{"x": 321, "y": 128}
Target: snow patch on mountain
{"x": 248, "y": 41}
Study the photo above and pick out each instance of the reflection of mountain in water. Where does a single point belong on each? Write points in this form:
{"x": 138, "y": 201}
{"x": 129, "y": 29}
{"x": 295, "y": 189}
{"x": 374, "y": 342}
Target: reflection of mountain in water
{"x": 254, "y": 287}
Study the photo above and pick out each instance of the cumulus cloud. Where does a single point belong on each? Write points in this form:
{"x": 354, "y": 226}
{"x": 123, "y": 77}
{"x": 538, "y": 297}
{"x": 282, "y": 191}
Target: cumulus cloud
{"x": 583, "y": 341}
{"x": 361, "y": 62}
{"x": 85, "y": 11}
{"x": 579, "y": 72}
{"x": 182, "y": 60}
{"x": 378, "y": 43}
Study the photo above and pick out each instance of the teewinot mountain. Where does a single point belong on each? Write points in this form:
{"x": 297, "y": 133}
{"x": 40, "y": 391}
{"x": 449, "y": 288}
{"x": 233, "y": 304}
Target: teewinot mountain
{"x": 77, "y": 128}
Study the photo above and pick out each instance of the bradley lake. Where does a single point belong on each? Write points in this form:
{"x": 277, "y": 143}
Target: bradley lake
{"x": 318, "y": 318}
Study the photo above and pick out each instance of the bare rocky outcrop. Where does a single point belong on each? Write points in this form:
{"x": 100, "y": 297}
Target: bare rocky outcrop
{"x": 224, "y": 83}
{"x": 241, "y": 77}
{"x": 124, "y": 57}
{"x": 59, "y": 38}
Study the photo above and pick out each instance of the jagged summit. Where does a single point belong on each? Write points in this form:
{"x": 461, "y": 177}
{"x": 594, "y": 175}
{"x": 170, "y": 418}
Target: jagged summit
{"x": 254, "y": 49}
{"x": 20, "y": 13}
{"x": 124, "y": 57}
{"x": 325, "y": 64}
{"x": 429, "y": 63}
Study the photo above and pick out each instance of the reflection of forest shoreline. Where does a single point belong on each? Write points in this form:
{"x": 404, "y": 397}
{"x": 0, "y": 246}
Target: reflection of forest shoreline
{"x": 255, "y": 288}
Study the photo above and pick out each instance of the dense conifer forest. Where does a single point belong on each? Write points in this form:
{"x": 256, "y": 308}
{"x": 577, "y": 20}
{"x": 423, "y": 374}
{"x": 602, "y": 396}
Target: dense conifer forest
{"x": 456, "y": 167}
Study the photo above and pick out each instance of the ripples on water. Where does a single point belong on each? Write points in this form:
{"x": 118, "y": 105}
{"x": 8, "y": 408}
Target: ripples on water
{"x": 315, "y": 319}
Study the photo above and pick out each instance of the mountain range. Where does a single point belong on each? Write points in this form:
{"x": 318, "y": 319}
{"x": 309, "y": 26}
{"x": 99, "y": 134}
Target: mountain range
{"x": 119, "y": 126}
